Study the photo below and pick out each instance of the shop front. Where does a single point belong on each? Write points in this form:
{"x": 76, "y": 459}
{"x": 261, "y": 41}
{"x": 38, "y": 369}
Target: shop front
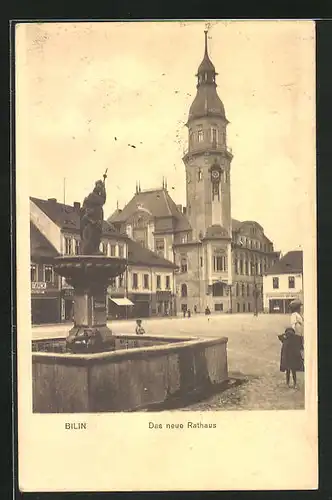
{"x": 164, "y": 303}
{"x": 120, "y": 308}
{"x": 141, "y": 305}
{"x": 45, "y": 303}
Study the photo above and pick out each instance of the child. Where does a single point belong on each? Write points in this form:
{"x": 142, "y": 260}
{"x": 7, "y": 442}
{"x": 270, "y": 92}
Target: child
{"x": 139, "y": 329}
{"x": 290, "y": 358}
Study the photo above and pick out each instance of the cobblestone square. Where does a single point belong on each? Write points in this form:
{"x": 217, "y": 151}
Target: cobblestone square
{"x": 253, "y": 357}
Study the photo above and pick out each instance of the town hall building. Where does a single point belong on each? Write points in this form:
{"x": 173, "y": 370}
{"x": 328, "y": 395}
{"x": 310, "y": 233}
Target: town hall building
{"x": 220, "y": 260}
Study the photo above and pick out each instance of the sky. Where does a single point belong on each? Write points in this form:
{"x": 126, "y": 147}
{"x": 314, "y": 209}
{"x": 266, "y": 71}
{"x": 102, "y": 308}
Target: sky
{"x": 86, "y": 92}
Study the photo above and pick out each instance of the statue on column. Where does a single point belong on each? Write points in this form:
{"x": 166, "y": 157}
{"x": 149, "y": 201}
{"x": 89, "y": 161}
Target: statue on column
{"x": 92, "y": 217}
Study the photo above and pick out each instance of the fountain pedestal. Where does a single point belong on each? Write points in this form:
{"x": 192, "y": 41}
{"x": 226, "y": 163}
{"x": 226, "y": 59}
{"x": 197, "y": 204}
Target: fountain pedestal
{"x": 89, "y": 275}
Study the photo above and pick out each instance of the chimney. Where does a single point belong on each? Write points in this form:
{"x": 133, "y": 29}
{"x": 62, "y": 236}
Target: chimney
{"x": 179, "y": 207}
{"x": 52, "y": 200}
{"x": 77, "y": 206}
{"x": 184, "y": 210}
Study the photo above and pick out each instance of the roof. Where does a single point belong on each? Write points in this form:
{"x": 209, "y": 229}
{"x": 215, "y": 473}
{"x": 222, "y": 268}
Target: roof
{"x": 138, "y": 255}
{"x": 236, "y": 224}
{"x": 158, "y": 202}
{"x": 206, "y": 64}
{"x": 66, "y": 216}
{"x": 40, "y": 247}
{"x": 290, "y": 263}
{"x": 206, "y": 103}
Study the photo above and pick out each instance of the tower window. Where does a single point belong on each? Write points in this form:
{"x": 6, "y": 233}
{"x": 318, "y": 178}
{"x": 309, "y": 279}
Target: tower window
{"x": 200, "y": 135}
{"x": 200, "y": 175}
{"x": 214, "y": 136}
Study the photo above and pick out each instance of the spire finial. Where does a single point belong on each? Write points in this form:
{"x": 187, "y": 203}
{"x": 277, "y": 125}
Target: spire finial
{"x": 117, "y": 204}
{"x": 206, "y": 34}
{"x": 139, "y": 186}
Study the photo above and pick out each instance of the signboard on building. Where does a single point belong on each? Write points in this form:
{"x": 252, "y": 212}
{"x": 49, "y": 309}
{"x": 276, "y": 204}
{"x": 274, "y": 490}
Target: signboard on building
{"x": 38, "y": 285}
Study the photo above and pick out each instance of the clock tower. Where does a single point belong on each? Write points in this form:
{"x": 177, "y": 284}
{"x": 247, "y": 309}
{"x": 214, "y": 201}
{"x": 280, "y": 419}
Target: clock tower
{"x": 207, "y": 159}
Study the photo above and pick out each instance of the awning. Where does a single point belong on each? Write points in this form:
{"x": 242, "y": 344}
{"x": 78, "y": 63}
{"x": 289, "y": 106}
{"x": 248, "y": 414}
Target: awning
{"x": 123, "y": 301}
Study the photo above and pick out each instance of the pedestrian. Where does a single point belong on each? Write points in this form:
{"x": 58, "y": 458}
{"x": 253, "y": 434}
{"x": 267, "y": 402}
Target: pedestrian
{"x": 184, "y": 313}
{"x": 207, "y": 311}
{"x": 189, "y": 313}
{"x": 139, "y": 329}
{"x": 291, "y": 360}
{"x": 195, "y": 309}
{"x": 296, "y": 319}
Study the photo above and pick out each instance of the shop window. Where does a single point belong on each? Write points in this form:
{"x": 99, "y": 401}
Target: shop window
{"x": 158, "y": 282}
{"x": 184, "y": 290}
{"x": 275, "y": 282}
{"x": 168, "y": 283}
{"x": 291, "y": 282}
{"x": 135, "y": 281}
{"x": 218, "y": 307}
{"x": 146, "y": 281}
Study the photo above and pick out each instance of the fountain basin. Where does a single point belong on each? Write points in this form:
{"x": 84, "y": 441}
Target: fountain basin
{"x": 140, "y": 372}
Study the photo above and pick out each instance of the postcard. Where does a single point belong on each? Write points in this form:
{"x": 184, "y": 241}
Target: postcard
{"x": 166, "y": 255}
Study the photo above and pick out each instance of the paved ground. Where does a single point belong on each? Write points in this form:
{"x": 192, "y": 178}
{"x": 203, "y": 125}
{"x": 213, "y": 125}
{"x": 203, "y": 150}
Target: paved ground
{"x": 253, "y": 356}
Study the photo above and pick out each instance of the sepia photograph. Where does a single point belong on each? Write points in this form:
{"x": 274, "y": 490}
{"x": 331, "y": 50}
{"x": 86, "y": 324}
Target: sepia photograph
{"x": 166, "y": 225}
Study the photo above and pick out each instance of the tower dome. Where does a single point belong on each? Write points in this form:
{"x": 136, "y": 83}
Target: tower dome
{"x": 207, "y": 102}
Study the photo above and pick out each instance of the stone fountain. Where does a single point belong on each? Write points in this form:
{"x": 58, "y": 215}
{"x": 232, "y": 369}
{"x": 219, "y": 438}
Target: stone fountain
{"x": 93, "y": 370}
{"x": 89, "y": 275}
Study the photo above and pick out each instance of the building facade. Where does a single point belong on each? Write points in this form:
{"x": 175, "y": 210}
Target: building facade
{"x": 147, "y": 287}
{"x": 220, "y": 260}
{"x": 283, "y": 283}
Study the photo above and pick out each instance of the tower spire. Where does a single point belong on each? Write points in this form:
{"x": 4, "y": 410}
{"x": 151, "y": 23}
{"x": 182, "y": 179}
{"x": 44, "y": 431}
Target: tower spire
{"x": 206, "y": 49}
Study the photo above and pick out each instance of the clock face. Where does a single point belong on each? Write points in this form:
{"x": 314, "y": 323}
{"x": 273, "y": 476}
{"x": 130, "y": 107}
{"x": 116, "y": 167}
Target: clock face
{"x": 215, "y": 174}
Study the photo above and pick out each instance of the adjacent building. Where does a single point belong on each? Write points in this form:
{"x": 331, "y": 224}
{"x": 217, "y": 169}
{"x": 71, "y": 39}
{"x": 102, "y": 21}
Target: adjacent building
{"x": 283, "y": 282}
{"x": 147, "y": 287}
{"x": 220, "y": 260}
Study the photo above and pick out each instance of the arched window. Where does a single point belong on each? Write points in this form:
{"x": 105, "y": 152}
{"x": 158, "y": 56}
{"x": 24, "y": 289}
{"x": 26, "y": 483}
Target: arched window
{"x": 184, "y": 290}
{"x": 184, "y": 265}
{"x": 217, "y": 289}
{"x": 237, "y": 292}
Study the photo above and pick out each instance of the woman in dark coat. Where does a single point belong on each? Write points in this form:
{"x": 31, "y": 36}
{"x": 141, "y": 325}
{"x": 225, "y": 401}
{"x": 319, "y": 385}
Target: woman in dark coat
{"x": 291, "y": 359}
